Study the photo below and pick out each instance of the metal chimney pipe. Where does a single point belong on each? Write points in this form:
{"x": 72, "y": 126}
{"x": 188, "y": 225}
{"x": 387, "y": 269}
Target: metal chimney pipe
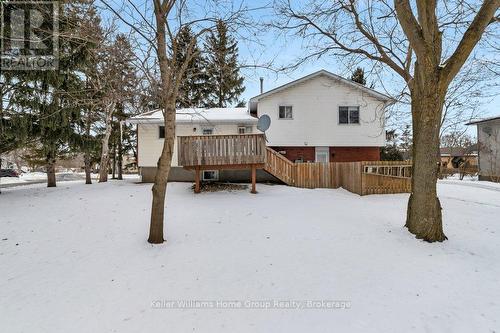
{"x": 261, "y": 85}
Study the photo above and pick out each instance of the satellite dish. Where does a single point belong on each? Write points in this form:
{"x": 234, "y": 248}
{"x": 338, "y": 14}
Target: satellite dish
{"x": 264, "y": 123}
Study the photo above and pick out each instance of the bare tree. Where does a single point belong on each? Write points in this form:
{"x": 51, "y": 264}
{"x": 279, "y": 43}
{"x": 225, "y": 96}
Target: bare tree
{"x": 161, "y": 35}
{"x": 406, "y": 38}
{"x": 114, "y": 81}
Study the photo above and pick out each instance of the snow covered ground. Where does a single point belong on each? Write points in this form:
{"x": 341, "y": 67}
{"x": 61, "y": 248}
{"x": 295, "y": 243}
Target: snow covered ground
{"x": 40, "y": 177}
{"x": 75, "y": 259}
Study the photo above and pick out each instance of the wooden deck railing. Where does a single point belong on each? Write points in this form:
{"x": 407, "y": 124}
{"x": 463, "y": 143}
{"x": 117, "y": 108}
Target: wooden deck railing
{"x": 219, "y": 150}
{"x": 377, "y": 177}
{"x": 249, "y": 151}
{"x": 280, "y": 166}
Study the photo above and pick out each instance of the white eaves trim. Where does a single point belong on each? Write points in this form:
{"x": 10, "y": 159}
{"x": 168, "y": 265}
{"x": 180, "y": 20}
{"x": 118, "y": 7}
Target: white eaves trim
{"x": 199, "y": 116}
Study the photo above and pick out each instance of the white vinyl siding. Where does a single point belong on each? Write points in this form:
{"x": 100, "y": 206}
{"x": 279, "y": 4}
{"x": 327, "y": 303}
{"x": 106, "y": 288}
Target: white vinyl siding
{"x": 315, "y": 116}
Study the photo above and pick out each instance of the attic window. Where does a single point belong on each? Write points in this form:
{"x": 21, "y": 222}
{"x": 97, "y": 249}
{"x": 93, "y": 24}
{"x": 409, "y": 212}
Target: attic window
{"x": 285, "y": 112}
{"x": 348, "y": 114}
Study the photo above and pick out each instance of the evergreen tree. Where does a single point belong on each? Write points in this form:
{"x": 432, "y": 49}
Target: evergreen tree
{"x": 49, "y": 96}
{"x": 391, "y": 151}
{"x": 89, "y": 144}
{"x": 406, "y": 145}
{"x": 193, "y": 90}
{"x": 225, "y": 82}
{"x": 359, "y": 76}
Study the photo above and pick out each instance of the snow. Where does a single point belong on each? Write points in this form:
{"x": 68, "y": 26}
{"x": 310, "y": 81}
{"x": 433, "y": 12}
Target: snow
{"x": 36, "y": 177}
{"x": 41, "y": 177}
{"x": 198, "y": 115}
{"x": 75, "y": 259}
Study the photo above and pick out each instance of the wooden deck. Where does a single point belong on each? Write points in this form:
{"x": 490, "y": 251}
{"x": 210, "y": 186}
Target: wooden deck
{"x": 215, "y": 152}
{"x": 249, "y": 151}
{"x": 209, "y": 151}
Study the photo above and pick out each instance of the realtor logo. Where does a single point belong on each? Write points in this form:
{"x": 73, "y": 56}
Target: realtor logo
{"x": 29, "y": 39}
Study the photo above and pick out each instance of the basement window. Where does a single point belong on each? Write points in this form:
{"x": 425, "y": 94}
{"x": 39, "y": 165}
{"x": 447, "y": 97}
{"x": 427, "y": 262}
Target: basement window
{"x": 210, "y": 175}
{"x": 208, "y": 131}
{"x": 161, "y": 133}
{"x": 348, "y": 114}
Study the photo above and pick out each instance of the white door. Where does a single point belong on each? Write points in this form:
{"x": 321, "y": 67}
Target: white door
{"x": 322, "y": 154}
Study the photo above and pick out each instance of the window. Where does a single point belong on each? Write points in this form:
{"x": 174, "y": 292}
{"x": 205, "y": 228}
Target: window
{"x": 285, "y": 112}
{"x": 322, "y": 154}
{"x": 161, "y": 133}
{"x": 208, "y": 131}
{"x": 244, "y": 129}
{"x": 210, "y": 175}
{"x": 348, "y": 114}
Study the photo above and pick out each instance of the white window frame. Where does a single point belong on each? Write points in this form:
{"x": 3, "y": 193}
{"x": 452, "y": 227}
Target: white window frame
{"x": 242, "y": 128}
{"x": 349, "y": 109}
{"x": 216, "y": 173}
{"x": 211, "y": 129}
{"x": 291, "y": 112}
{"x": 325, "y": 151}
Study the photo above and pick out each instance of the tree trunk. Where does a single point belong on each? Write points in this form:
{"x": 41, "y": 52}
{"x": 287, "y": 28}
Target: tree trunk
{"x": 424, "y": 218}
{"x": 103, "y": 170}
{"x": 161, "y": 177}
{"x": 168, "y": 104}
{"x": 86, "y": 158}
{"x": 88, "y": 178}
{"x": 120, "y": 157}
{"x": 114, "y": 161}
{"x": 51, "y": 170}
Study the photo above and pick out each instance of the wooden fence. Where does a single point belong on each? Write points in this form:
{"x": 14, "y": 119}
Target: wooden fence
{"x": 330, "y": 175}
{"x": 385, "y": 177}
{"x": 377, "y": 177}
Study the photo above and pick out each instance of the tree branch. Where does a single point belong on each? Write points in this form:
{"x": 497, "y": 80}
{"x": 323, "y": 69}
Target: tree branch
{"x": 411, "y": 27}
{"x": 469, "y": 40}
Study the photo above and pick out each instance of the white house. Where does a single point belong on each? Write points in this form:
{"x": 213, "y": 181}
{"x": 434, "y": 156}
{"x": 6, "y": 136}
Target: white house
{"x": 488, "y": 141}
{"x": 321, "y": 117}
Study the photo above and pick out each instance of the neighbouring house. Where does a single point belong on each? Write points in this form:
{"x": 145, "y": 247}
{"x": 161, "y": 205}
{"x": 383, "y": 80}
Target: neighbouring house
{"x": 321, "y": 117}
{"x": 488, "y": 141}
{"x": 455, "y": 157}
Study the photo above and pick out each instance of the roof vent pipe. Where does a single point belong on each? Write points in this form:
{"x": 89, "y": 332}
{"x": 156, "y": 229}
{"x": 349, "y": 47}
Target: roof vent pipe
{"x": 261, "y": 85}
